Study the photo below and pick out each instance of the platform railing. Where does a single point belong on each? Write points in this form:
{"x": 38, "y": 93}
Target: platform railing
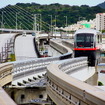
{"x": 66, "y": 90}
{"x": 28, "y": 67}
{"x": 70, "y": 65}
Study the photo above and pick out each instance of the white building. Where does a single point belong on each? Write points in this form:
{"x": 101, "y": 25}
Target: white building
{"x": 81, "y": 24}
{"x": 100, "y": 21}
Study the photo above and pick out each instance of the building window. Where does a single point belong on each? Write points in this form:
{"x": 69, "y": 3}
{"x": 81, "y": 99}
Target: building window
{"x": 22, "y": 97}
{"x": 41, "y": 96}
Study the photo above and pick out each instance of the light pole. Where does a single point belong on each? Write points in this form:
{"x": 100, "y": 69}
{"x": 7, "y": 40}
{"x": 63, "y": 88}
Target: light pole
{"x": 51, "y": 24}
{"x": 55, "y": 24}
{"x": 20, "y": 26}
{"x": 35, "y": 25}
{"x": 2, "y": 24}
{"x": 40, "y": 22}
{"x": 16, "y": 19}
{"x": 66, "y": 24}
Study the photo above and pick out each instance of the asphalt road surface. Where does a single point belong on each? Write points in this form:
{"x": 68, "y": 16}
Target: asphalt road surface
{"x": 24, "y": 47}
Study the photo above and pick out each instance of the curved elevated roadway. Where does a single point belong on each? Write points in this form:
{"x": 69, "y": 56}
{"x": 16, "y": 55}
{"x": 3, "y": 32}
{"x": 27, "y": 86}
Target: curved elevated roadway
{"x": 66, "y": 90}
{"x": 24, "y": 47}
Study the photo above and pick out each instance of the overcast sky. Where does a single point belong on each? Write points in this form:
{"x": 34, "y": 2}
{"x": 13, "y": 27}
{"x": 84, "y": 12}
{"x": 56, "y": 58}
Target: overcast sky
{"x": 4, "y": 3}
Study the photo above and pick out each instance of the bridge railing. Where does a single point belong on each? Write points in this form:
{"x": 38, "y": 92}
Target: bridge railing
{"x": 7, "y": 49}
{"x": 32, "y": 65}
{"x": 66, "y": 90}
{"x": 5, "y": 73}
{"x": 28, "y": 67}
{"x": 70, "y": 65}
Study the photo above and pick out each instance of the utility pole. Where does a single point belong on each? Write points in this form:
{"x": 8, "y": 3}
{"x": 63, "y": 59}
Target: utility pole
{"x": 35, "y": 26}
{"x": 55, "y": 24}
{"x": 2, "y": 20}
{"x": 40, "y": 22}
{"x": 2, "y": 24}
{"x": 66, "y": 24}
{"x": 51, "y": 24}
{"x": 16, "y": 19}
{"x": 20, "y": 26}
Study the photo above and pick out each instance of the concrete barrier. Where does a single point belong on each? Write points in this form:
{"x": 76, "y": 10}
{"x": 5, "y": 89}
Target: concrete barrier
{"x": 5, "y": 73}
{"x": 5, "y": 78}
{"x": 66, "y": 90}
{"x": 60, "y": 47}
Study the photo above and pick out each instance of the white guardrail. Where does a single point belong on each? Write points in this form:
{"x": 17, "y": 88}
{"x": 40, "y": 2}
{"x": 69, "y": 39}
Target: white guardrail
{"x": 28, "y": 67}
{"x": 66, "y": 90}
{"x": 72, "y": 65}
{"x": 25, "y": 68}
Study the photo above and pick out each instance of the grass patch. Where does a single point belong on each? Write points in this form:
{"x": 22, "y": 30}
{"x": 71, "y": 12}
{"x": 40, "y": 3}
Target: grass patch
{"x": 12, "y": 57}
{"x": 100, "y": 83}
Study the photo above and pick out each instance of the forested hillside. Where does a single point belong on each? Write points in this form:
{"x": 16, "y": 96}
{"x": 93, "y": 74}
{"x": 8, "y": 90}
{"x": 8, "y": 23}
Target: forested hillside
{"x": 102, "y": 5}
{"x": 60, "y": 11}
{"x": 72, "y": 12}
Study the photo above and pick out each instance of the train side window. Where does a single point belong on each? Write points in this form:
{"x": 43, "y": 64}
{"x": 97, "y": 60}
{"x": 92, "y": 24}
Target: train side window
{"x": 98, "y": 38}
{"x": 101, "y": 38}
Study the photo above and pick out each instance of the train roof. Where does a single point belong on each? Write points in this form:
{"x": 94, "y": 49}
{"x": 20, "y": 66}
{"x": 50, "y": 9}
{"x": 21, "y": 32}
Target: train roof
{"x": 87, "y": 30}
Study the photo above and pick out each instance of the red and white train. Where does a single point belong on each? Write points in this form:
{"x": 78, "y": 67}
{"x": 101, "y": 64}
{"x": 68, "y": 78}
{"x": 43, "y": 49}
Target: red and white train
{"x": 88, "y": 42}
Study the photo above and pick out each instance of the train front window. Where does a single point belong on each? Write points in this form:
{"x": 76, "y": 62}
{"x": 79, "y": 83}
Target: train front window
{"x": 84, "y": 40}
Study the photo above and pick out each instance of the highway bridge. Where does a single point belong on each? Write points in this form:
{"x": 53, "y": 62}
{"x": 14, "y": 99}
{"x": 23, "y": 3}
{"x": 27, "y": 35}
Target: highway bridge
{"x": 61, "y": 84}
{"x": 16, "y": 30}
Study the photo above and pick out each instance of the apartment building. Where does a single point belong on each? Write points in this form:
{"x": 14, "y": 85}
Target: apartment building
{"x": 100, "y": 21}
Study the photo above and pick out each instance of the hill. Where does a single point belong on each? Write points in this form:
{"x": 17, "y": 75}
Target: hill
{"x": 102, "y": 5}
{"x": 73, "y": 13}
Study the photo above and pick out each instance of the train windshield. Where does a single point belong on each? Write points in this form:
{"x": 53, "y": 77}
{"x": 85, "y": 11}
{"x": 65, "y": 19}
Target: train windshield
{"x": 84, "y": 40}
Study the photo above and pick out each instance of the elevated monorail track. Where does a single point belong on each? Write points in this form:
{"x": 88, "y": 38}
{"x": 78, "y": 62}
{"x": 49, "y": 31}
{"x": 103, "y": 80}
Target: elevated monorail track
{"x": 60, "y": 85}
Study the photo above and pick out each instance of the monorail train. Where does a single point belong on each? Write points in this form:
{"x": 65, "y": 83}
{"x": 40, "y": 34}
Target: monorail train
{"x": 88, "y": 42}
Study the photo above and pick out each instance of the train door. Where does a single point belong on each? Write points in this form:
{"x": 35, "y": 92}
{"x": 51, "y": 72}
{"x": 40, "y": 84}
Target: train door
{"x": 98, "y": 47}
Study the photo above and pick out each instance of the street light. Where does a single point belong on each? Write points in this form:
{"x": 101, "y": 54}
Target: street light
{"x": 16, "y": 19}
{"x": 35, "y": 25}
{"x": 20, "y": 26}
{"x": 2, "y": 24}
{"x": 51, "y": 24}
{"x": 40, "y": 22}
{"x": 55, "y": 24}
{"x": 66, "y": 24}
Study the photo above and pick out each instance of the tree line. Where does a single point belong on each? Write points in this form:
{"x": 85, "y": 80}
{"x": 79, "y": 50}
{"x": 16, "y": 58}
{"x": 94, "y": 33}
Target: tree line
{"x": 73, "y": 13}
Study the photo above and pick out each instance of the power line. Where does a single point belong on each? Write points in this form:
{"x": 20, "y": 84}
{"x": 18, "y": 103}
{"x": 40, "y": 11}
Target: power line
{"x": 24, "y": 18}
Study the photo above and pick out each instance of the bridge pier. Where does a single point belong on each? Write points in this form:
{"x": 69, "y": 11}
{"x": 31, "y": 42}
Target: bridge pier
{"x": 25, "y": 95}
